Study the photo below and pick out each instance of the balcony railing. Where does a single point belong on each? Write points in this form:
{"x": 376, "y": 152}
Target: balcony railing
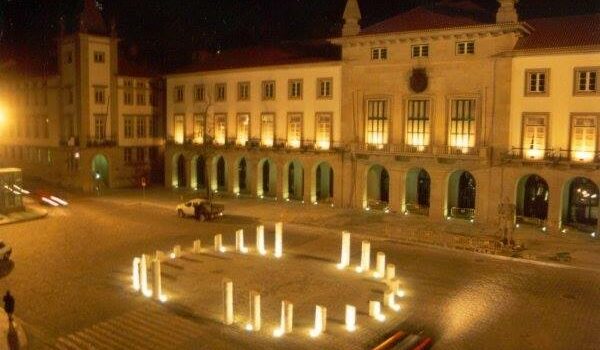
{"x": 413, "y": 208}
{"x": 426, "y": 151}
{"x": 580, "y": 157}
{"x": 532, "y": 155}
{"x": 103, "y": 142}
{"x": 462, "y": 213}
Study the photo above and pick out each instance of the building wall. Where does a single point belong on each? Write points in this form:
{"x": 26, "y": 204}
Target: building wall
{"x": 281, "y": 106}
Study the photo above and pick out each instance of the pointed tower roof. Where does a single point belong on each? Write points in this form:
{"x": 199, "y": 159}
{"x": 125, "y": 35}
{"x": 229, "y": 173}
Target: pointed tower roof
{"x": 351, "y": 18}
{"x": 90, "y": 19}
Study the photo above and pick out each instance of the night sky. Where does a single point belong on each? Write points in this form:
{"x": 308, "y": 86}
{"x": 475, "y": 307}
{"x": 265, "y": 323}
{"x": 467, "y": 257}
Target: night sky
{"x": 165, "y": 32}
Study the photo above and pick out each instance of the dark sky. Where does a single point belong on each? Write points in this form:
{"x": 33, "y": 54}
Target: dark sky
{"x": 166, "y": 31}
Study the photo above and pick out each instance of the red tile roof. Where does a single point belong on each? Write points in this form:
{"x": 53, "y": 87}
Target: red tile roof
{"x": 261, "y": 56}
{"x": 572, "y": 31}
{"x": 443, "y": 15}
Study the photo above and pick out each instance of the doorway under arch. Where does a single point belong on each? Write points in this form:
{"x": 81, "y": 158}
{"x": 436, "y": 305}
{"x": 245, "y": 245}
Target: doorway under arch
{"x": 100, "y": 169}
{"x": 219, "y": 174}
{"x": 377, "y": 187}
{"x": 242, "y": 176}
{"x": 200, "y": 165}
{"x": 418, "y": 189}
{"x": 462, "y": 190}
{"x": 266, "y": 184}
{"x": 532, "y": 199}
{"x": 580, "y": 204}
{"x": 322, "y": 186}
{"x": 294, "y": 184}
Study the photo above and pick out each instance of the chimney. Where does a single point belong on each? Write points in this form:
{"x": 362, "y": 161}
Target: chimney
{"x": 351, "y": 19}
{"x": 507, "y": 13}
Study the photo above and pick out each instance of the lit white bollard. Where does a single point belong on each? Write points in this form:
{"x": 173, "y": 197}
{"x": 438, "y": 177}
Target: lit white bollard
{"x": 157, "y": 282}
{"x": 345, "y": 254}
{"x": 289, "y": 315}
{"x": 390, "y": 272}
{"x": 286, "y": 320}
{"x": 320, "y": 321}
{"x": 350, "y": 318}
{"x": 176, "y": 253}
{"x": 135, "y": 274}
{"x": 227, "y": 301}
{"x": 260, "y": 240}
{"x": 389, "y": 300}
{"x": 278, "y": 240}
{"x": 197, "y": 247}
{"x": 144, "y": 276}
{"x": 375, "y": 310}
{"x": 380, "y": 267}
{"x": 240, "y": 247}
{"x": 254, "y": 312}
{"x": 365, "y": 257}
{"x": 219, "y": 244}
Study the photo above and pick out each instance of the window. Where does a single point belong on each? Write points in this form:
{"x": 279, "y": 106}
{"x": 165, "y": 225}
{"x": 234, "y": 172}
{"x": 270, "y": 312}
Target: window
{"x": 221, "y": 92}
{"x": 140, "y": 154}
{"x": 140, "y": 127}
{"x": 420, "y": 50}
{"x": 267, "y": 129}
{"x": 295, "y": 89}
{"x": 179, "y": 128}
{"x": 153, "y": 99}
{"x": 465, "y": 47}
{"x": 100, "y": 127}
{"x": 98, "y": 56}
{"x": 153, "y": 126}
{"x": 534, "y": 136}
{"x": 199, "y": 93}
{"x": 128, "y": 97}
{"x": 268, "y": 90}
{"x": 128, "y": 127}
{"x": 537, "y": 81}
{"x": 583, "y": 138}
{"x": 36, "y": 127}
{"x": 243, "y": 128}
{"x": 178, "y": 94}
{"x": 99, "y": 96}
{"x": 462, "y": 124}
{"x": 220, "y": 129}
{"x": 294, "y": 132}
{"x": 128, "y": 83}
{"x": 141, "y": 98}
{"x": 377, "y": 122}
{"x": 243, "y": 91}
{"x": 418, "y": 125}
{"x": 586, "y": 80}
{"x": 69, "y": 57}
{"x": 324, "y": 88}
{"x": 323, "y": 130}
{"x": 127, "y": 155}
{"x": 199, "y": 125}
{"x": 379, "y": 53}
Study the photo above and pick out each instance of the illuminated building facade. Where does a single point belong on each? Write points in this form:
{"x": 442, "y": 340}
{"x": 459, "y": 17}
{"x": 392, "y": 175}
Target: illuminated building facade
{"x": 91, "y": 119}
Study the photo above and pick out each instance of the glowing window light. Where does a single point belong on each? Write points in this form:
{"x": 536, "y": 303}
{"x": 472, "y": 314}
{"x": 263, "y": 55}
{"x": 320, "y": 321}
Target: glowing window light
{"x": 267, "y": 129}
{"x": 294, "y": 136}
{"x": 534, "y": 153}
{"x": 583, "y": 138}
{"x": 220, "y": 129}
{"x": 323, "y": 131}
{"x": 243, "y": 127}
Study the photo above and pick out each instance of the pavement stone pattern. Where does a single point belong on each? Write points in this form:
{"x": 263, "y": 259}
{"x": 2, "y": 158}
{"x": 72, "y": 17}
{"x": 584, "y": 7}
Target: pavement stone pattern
{"x": 71, "y": 272}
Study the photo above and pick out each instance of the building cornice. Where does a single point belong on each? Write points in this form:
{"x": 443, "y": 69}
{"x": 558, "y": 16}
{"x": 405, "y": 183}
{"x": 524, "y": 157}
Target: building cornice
{"x": 331, "y": 63}
{"x": 434, "y": 34}
{"x": 551, "y": 51}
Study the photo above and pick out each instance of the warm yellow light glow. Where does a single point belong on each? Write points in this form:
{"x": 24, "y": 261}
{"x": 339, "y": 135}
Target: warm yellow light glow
{"x": 584, "y": 155}
{"x": 135, "y": 275}
{"x": 163, "y": 298}
{"x": 323, "y": 144}
{"x": 350, "y": 318}
{"x": 534, "y": 153}
{"x": 278, "y": 332}
{"x": 294, "y": 143}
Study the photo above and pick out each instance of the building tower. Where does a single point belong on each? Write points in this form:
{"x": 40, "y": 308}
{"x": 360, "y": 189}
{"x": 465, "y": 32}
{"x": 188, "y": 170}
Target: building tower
{"x": 351, "y": 19}
{"x": 507, "y": 12}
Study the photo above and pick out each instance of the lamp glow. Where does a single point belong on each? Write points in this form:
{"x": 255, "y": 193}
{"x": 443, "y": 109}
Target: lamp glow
{"x": 350, "y": 318}
{"x": 135, "y": 274}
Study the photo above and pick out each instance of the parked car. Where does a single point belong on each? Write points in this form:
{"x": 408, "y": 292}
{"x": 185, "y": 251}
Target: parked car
{"x": 5, "y": 251}
{"x": 201, "y": 209}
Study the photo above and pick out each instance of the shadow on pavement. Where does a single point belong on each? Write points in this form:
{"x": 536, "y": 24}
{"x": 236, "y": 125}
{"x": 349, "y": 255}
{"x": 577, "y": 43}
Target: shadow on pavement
{"x": 6, "y": 268}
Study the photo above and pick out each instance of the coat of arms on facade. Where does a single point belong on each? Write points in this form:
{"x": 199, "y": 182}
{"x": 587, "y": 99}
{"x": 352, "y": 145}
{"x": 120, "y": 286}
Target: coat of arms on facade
{"x": 418, "y": 80}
